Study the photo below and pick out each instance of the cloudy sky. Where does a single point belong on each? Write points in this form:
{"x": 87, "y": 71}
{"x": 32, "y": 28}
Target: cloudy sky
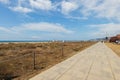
{"x": 58, "y": 19}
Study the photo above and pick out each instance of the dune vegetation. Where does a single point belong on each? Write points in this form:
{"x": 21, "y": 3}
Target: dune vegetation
{"x": 18, "y": 60}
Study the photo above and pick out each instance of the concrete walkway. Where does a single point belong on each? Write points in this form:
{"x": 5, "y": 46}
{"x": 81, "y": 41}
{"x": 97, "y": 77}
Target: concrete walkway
{"x": 97, "y": 62}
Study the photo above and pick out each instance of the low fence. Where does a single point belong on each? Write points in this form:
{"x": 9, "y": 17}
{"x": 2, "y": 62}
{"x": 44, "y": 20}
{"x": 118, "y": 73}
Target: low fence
{"x": 19, "y": 65}
{"x": 16, "y": 66}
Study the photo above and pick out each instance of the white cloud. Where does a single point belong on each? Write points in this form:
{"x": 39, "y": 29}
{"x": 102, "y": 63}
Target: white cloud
{"x": 103, "y": 30}
{"x": 4, "y": 29}
{"x": 41, "y": 31}
{"x": 21, "y": 9}
{"x": 108, "y": 9}
{"x": 47, "y": 27}
{"x": 42, "y": 26}
{"x": 67, "y": 7}
{"x": 25, "y": 6}
{"x": 35, "y": 37}
{"x": 4, "y": 1}
{"x": 41, "y": 4}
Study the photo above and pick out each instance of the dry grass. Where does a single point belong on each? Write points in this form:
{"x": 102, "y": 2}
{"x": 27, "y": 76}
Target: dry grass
{"x": 114, "y": 47}
{"x": 18, "y": 58}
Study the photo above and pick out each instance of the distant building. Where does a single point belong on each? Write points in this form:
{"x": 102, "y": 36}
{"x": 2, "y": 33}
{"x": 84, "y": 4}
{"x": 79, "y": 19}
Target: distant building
{"x": 115, "y": 39}
{"x": 118, "y": 36}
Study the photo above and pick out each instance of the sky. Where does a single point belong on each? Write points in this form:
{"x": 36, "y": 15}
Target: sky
{"x": 59, "y": 19}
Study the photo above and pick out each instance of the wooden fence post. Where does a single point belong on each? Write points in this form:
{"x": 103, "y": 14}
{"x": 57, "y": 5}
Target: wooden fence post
{"x": 34, "y": 60}
{"x": 62, "y": 49}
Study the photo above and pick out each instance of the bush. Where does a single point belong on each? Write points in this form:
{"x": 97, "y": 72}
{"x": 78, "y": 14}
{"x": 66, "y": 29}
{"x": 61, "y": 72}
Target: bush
{"x": 6, "y": 71}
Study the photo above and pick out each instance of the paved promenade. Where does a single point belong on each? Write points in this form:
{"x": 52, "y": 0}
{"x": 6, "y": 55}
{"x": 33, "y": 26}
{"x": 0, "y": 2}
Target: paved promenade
{"x": 97, "y": 62}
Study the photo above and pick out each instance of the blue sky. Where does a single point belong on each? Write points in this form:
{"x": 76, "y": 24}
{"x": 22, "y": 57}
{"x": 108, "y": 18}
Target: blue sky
{"x": 58, "y": 19}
